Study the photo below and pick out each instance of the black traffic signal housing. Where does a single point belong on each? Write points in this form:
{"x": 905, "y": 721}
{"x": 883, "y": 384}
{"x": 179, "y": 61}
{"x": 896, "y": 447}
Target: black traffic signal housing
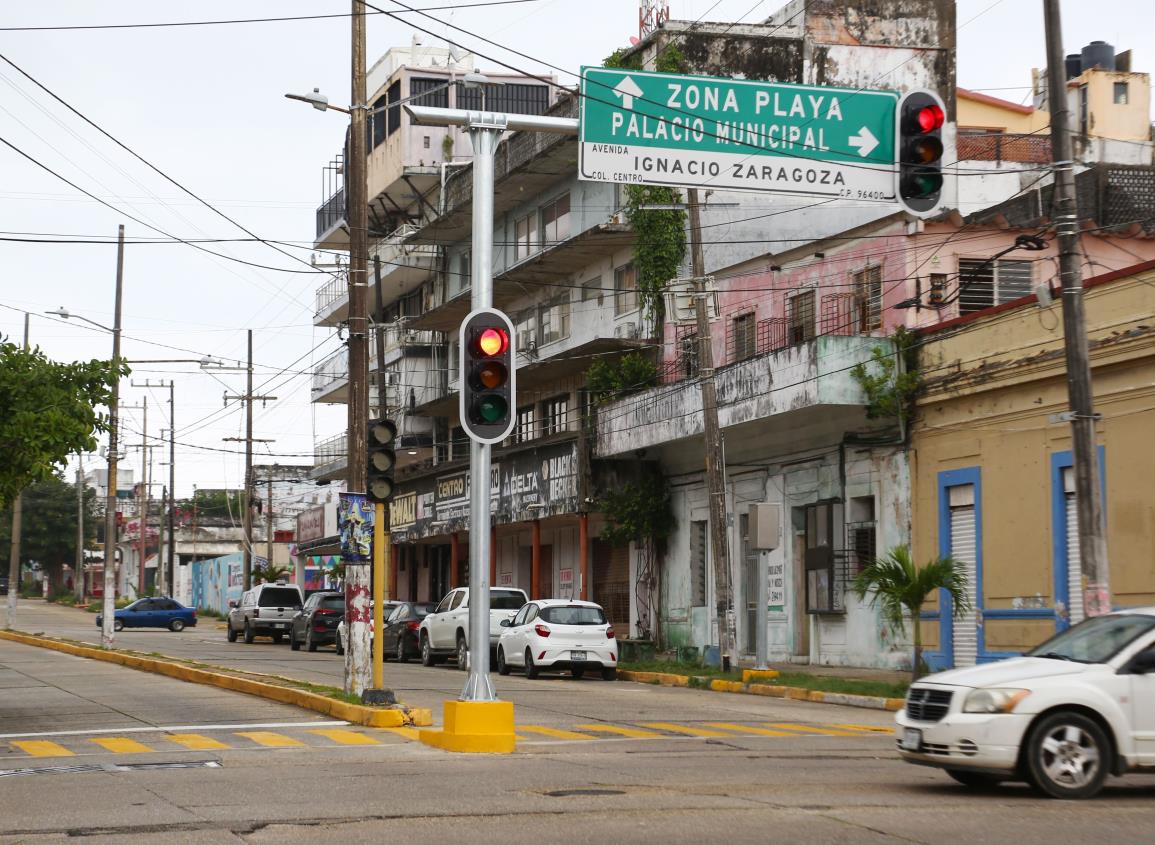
{"x": 488, "y": 375}
{"x": 921, "y": 116}
{"x": 382, "y": 459}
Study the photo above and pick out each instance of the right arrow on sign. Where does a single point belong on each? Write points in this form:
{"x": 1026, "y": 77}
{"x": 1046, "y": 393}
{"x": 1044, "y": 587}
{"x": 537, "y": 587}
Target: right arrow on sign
{"x": 864, "y": 141}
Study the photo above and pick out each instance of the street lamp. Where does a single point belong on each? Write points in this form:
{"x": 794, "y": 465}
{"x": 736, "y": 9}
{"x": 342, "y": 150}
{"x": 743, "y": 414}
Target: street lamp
{"x": 68, "y": 315}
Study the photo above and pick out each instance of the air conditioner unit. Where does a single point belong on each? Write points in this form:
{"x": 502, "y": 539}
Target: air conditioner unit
{"x": 626, "y": 331}
{"x": 392, "y": 378}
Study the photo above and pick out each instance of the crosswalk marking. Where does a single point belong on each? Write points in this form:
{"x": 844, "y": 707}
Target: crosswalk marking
{"x": 808, "y": 729}
{"x": 554, "y": 732}
{"x": 748, "y": 729}
{"x": 408, "y": 733}
{"x": 121, "y": 745}
{"x": 683, "y": 729}
{"x": 42, "y": 748}
{"x": 197, "y": 742}
{"x": 632, "y": 733}
{"x": 343, "y": 737}
{"x": 270, "y": 739}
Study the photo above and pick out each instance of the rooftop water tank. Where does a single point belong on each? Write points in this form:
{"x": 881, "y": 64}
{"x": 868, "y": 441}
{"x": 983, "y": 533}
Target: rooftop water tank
{"x": 1098, "y": 54}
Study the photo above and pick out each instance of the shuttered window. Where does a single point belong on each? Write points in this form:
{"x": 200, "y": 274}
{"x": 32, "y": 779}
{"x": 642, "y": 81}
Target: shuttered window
{"x": 963, "y": 549}
{"x": 1074, "y": 553}
{"x": 698, "y": 563}
{"x": 986, "y": 283}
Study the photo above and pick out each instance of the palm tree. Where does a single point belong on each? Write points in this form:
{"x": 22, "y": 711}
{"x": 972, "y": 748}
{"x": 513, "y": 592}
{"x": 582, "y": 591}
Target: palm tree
{"x": 269, "y": 573}
{"x": 900, "y": 588}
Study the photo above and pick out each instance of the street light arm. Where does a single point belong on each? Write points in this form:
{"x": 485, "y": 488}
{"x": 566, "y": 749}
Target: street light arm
{"x": 317, "y": 101}
{"x": 430, "y": 116}
{"x": 68, "y": 315}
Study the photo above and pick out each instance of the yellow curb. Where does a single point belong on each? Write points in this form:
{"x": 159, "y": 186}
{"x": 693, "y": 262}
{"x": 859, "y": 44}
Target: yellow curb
{"x": 666, "y": 679}
{"x": 475, "y": 727}
{"x": 752, "y": 675}
{"x": 719, "y": 685}
{"x": 767, "y": 690}
{"x": 355, "y": 713}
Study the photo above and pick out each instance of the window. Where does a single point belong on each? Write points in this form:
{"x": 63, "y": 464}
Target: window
{"x": 573, "y": 615}
{"x": 458, "y": 598}
{"x": 1083, "y": 110}
{"x": 377, "y": 122}
{"x": 801, "y": 317}
{"x": 458, "y": 442}
{"x": 698, "y": 563}
{"x": 525, "y": 326}
{"x": 462, "y": 272}
{"x": 393, "y": 110}
{"x": 822, "y": 592}
{"x": 868, "y": 287}
{"x": 425, "y": 142}
{"x": 1120, "y": 93}
{"x": 506, "y": 599}
{"x": 554, "y": 318}
{"x": 525, "y": 237}
{"x": 510, "y": 98}
{"x": 688, "y": 355}
{"x": 743, "y": 336}
{"x": 555, "y": 221}
{"x": 524, "y": 430}
{"x": 592, "y": 290}
{"x": 429, "y": 91}
{"x": 986, "y": 283}
{"x": 554, "y": 415}
{"x": 625, "y": 290}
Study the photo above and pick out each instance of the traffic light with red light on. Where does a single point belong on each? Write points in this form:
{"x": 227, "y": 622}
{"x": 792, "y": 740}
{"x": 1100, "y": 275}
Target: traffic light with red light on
{"x": 382, "y": 459}
{"x": 487, "y": 375}
{"x": 920, "y": 120}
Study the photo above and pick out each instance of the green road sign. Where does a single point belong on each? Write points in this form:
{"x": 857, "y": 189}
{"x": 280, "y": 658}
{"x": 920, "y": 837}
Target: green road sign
{"x": 710, "y": 132}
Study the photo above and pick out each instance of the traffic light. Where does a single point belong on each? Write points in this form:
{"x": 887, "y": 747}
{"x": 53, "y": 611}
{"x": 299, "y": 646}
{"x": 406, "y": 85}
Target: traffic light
{"x": 382, "y": 459}
{"x": 487, "y": 375}
{"x": 920, "y": 119}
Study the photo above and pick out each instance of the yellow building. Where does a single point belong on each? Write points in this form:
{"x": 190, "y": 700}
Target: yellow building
{"x": 990, "y": 464}
{"x": 982, "y": 113}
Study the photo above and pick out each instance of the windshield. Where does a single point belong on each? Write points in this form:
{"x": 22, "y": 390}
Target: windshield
{"x": 1095, "y": 640}
{"x": 420, "y": 611}
{"x": 506, "y": 599}
{"x": 573, "y": 615}
{"x": 333, "y": 602}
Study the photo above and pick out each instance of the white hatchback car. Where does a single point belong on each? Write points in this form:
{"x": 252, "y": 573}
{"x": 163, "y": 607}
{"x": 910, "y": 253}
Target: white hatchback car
{"x": 558, "y": 635}
{"x": 1064, "y": 716}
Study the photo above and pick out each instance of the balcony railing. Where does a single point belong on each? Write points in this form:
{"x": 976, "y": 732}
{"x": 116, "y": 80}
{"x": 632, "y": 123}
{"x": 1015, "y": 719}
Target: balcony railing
{"x": 1003, "y": 146}
{"x": 333, "y": 368}
{"x": 331, "y": 213}
{"x": 330, "y": 293}
{"x": 331, "y": 451}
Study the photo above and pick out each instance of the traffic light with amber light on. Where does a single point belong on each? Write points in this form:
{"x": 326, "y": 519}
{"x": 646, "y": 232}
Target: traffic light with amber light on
{"x": 920, "y": 120}
{"x": 382, "y": 459}
{"x": 487, "y": 375}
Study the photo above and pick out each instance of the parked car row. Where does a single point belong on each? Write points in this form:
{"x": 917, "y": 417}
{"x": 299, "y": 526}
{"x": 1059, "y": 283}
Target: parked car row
{"x": 153, "y": 612}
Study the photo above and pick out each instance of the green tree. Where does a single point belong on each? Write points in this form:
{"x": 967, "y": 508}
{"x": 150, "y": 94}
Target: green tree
{"x": 269, "y": 573}
{"x": 48, "y": 533}
{"x": 48, "y": 411}
{"x": 900, "y": 587}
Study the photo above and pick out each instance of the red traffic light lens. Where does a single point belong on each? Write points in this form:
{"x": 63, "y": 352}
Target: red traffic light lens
{"x": 930, "y": 118}
{"x": 491, "y": 342}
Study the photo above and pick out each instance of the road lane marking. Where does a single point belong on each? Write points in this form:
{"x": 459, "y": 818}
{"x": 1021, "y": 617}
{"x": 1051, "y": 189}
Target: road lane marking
{"x": 408, "y": 733}
{"x": 870, "y": 729}
{"x": 43, "y": 748}
{"x": 121, "y": 745}
{"x": 632, "y": 733}
{"x": 329, "y": 723}
{"x": 554, "y": 732}
{"x": 196, "y": 742}
{"x": 271, "y": 740}
{"x": 748, "y": 729}
{"x": 345, "y": 737}
{"x": 683, "y": 729}
{"x": 807, "y": 729}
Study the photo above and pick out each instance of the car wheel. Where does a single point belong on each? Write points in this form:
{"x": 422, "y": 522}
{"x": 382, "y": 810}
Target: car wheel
{"x": 401, "y": 656}
{"x": 232, "y": 634}
{"x": 502, "y": 666}
{"x": 975, "y": 780}
{"x": 462, "y": 653}
{"x": 249, "y": 633}
{"x": 578, "y": 674}
{"x": 176, "y": 625}
{"x": 310, "y": 645}
{"x": 117, "y": 625}
{"x": 1067, "y": 756}
{"x": 531, "y": 670}
{"x": 609, "y": 673}
{"x": 426, "y": 651}
{"x": 294, "y": 643}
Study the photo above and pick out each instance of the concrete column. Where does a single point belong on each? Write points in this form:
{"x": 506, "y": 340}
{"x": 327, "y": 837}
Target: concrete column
{"x": 454, "y": 561}
{"x": 535, "y": 566}
{"x": 584, "y": 556}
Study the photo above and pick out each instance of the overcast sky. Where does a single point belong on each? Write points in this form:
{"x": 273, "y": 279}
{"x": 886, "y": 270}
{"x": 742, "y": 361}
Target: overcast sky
{"x": 205, "y": 105}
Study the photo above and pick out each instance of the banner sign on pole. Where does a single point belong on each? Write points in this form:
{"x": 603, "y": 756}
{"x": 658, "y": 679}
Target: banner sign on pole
{"x": 355, "y": 519}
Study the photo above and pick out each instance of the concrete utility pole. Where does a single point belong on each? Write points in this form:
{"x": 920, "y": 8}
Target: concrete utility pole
{"x": 107, "y": 635}
{"x": 14, "y": 567}
{"x": 78, "y": 574}
{"x": 1088, "y": 493}
{"x": 269, "y": 522}
{"x": 715, "y": 462}
{"x": 142, "y": 509}
{"x": 171, "y": 581}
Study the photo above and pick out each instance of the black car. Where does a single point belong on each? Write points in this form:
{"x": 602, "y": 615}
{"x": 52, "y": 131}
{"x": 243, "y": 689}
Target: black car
{"x": 399, "y": 638}
{"x": 315, "y": 624}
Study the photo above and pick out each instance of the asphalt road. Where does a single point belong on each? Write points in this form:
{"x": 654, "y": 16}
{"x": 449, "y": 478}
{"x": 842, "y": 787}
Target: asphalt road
{"x": 707, "y": 765}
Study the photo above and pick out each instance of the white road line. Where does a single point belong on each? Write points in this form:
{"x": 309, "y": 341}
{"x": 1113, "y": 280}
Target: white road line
{"x": 175, "y": 728}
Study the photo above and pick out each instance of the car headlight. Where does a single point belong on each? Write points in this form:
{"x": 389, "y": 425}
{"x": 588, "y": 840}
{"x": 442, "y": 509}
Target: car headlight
{"x": 994, "y": 700}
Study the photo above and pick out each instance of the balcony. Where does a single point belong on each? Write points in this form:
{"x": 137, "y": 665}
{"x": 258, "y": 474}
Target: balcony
{"x": 329, "y": 459}
{"x": 331, "y": 376}
{"x": 784, "y": 401}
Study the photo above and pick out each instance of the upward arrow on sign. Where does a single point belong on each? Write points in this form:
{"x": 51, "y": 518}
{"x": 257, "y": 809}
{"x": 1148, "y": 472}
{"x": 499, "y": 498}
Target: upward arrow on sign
{"x": 627, "y": 89}
{"x": 864, "y": 141}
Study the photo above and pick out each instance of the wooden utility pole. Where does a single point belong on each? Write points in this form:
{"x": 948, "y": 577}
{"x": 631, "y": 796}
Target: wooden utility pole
{"x": 715, "y": 461}
{"x": 108, "y": 603}
{"x": 269, "y": 522}
{"x": 171, "y": 487}
{"x": 1088, "y": 493}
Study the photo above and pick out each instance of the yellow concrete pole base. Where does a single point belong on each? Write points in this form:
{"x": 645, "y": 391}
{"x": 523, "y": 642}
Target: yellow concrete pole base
{"x": 475, "y": 726}
{"x": 752, "y": 676}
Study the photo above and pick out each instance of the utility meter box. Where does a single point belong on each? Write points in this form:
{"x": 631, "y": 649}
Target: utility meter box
{"x": 765, "y": 526}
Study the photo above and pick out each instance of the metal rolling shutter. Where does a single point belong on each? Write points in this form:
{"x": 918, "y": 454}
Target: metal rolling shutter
{"x": 1074, "y": 554}
{"x": 962, "y": 545}
{"x": 611, "y": 583}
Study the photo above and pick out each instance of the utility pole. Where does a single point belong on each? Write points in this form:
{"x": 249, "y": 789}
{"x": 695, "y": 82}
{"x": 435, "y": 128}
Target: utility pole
{"x": 171, "y": 486}
{"x": 269, "y": 523}
{"x": 142, "y": 509}
{"x": 14, "y": 568}
{"x": 107, "y": 634}
{"x": 164, "y": 574}
{"x": 715, "y": 462}
{"x": 78, "y": 574}
{"x": 1088, "y": 494}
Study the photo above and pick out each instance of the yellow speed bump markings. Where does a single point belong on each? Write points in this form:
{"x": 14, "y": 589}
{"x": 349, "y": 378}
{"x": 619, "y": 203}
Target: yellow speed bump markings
{"x": 748, "y": 729}
{"x": 344, "y": 737}
{"x": 121, "y": 745}
{"x": 408, "y": 733}
{"x": 683, "y": 729}
{"x": 271, "y": 740}
{"x": 868, "y": 729}
{"x": 42, "y": 748}
{"x": 809, "y": 729}
{"x": 553, "y": 732}
{"x": 197, "y": 742}
{"x": 632, "y": 733}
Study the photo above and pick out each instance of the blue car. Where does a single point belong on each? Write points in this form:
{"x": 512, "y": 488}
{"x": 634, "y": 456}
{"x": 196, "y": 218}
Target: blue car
{"x": 153, "y": 613}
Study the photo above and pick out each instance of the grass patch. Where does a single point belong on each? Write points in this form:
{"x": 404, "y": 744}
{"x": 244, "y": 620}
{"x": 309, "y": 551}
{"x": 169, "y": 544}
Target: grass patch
{"x": 804, "y": 680}
{"x": 680, "y": 668}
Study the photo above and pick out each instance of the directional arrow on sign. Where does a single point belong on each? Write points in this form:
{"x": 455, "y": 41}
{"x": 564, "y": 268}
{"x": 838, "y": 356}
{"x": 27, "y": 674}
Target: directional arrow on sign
{"x": 627, "y": 89}
{"x": 864, "y": 141}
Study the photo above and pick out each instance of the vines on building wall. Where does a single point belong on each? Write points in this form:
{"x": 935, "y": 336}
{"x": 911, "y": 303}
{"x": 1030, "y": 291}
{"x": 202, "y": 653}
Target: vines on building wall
{"x": 890, "y": 388}
{"x": 612, "y": 378}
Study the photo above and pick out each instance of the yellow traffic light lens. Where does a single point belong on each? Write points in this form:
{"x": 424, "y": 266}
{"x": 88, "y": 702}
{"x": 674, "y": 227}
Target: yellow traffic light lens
{"x": 490, "y": 375}
{"x": 382, "y": 461}
{"x": 492, "y": 342}
{"x": 923, "y": 151}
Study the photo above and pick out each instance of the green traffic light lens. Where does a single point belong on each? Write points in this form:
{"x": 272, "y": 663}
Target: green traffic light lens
{"x": 381, "y": 488}
{"x": 490, "y": 409}
{"x": 918, "y": 185}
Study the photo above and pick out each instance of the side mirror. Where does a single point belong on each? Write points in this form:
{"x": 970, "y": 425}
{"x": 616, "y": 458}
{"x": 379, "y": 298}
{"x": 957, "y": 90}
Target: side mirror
{"x": 505, "y": 623}
{"x": 1142, "y": 663}
{"x": 232, "y": 603}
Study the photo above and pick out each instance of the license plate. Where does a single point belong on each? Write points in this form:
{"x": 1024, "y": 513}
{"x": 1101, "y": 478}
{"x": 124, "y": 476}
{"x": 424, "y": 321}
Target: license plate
{"x": 911, "y": 739}
{"x": 577, "y": 655}
{"x": 280, "y": 625}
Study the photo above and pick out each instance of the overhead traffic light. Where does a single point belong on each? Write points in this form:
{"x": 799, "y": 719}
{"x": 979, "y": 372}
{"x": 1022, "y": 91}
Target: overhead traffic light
{"x": 487, "y": 375}
{"x": 920, "y": 120}
{"x": 382, "y": 459}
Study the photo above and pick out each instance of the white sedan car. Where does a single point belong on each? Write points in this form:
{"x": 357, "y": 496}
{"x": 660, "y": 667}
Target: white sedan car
{"x": 558, "y": 635}
{"x": 1064, "y": 716}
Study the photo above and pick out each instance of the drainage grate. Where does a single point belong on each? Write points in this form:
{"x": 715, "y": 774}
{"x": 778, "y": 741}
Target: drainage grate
{"x": 574, "y": 793}
{"x": 110, "y": 767}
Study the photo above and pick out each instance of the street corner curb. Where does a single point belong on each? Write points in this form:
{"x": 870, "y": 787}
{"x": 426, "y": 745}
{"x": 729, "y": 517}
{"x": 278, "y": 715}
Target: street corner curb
{"x": 665, "y": 679}
{"x": 474, "y": 727}
{"x": 751, "y": 676}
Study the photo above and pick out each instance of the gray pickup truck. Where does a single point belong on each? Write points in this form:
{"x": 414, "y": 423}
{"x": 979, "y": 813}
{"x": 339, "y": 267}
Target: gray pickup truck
{"x": 266, "y": 610}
